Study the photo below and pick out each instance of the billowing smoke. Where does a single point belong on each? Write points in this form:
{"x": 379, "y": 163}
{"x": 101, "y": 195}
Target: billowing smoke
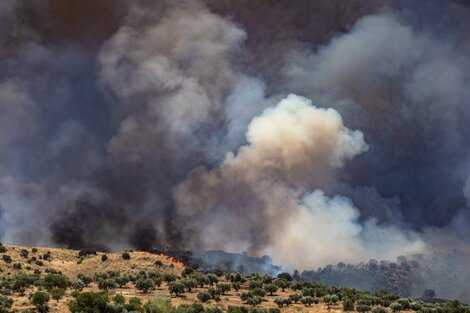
{"x": 175, "y": 124}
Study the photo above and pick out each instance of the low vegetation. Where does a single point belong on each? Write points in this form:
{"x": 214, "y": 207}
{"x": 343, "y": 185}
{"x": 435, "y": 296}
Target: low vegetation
{"x": 144, "y": 282}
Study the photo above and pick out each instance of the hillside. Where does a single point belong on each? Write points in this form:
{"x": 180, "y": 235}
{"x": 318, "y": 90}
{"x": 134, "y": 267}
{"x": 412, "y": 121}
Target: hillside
{"x": 26, "y": 272}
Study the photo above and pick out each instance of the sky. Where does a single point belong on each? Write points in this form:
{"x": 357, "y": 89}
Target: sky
{"x": 315, "y": 132}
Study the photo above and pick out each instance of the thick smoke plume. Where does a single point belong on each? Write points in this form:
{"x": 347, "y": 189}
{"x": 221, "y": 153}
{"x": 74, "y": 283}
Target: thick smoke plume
{"x": 174, "y": 124}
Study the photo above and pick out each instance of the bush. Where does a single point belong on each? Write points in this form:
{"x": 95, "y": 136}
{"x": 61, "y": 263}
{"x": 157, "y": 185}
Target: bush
{"x": 144, "y": 285}
{"x": 270, "y": 288}
{"x": 17, "y": 266}
{"x": 379, "y": 310}
{"x": 159, "y": 305}
{"x": 254, "y": 301}
{"x": 24, "y": 253}
{"x": 126, "y": 256}
{"x": 104, "y": 258}
{"x": 56, "y": 281}
{"x": 348, "y": 305}
{"x": 5, "y": 303}
{"x": 363, "y": 308}
{"x": 295, "y": 297}
{"x": 224, "y": 288}
{"x": 214, "y": 310}
{"x": 57, "y": 293}
{"x": 134, "y": 305}
{"x": 286, "y": 276}
{"x": 6, "y": 259}
{"x": 85, "y": 279}
{"x": 107, "y": 284}
{"x": 77, "y": 284}
{"x": 176, "y": 288}
{"x": 86, "y": 252}
{"x": 89, "y": 302}
{"x": 396, "y": 307}
{"x": 3, "y": 249}
{"x": 307, "y": 301}
{"x": 47, "y": 256}
{"x": 40, "y": 299}
{"x": 237, "y": 309}
{"x": 203, "y": 296}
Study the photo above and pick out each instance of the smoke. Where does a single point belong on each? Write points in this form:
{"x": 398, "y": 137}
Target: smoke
{"x": 170, "y": 123}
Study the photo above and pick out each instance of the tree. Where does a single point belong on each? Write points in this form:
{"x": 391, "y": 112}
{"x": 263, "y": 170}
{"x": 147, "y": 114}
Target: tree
{"x": 259, "y": 292}
{"x": 168, "y": 277}
{"x": 126, "y": 256}
{"x": 40, "y": 299}
{"x": 254, "y": 301}
{"x": 107, "y": 284}
{"x": 85, "y": 279}
{"x": 363, "y": 308}
{"x": 203, "y": 296}
{"x": 119, "y": 299}
{"x": 159, "y": 305}
{"x": 279, "y": 301}
{"x": 295, "y": 297}
{"x": 77, "y": 284}
{"x": 176, "y": 288}
{"x": 144, "y": 285}
{"x": 189, "y": 284}
{"x": 307, "y": 301}
{"x": 89, "y": 302}
{"x": 348, "y": 305}
{"x": 286, "y": 276}
{"x": 6, "y": 259}
{"x": 282, "y": 283}
{"x": 270, "y": 288}
{"x": 134, "y": 305}
{"x": 396, "y": 307}
{"x": 379, "y": 310}
{"x": 56, "y": 281}
{"x": 24, "y": 253}
{"x": 236, "y": 285}
{"x": 224, "y": 288}
{"x": 57, "y": 293}
{"x": 213, "y": 279}
{"x": 104, "y": 258}
{"x": 330, "y": 300}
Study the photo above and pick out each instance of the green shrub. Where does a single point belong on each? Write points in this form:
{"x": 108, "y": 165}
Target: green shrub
{"x": 363, "y": 308}
{"x": 348, "y": 305}
{"x": 57, "y": 293}
{"x": 6, "y": 259}
{"x": 203, "y": 296}
{"x": 159, "y": 305}
{"x": 126, "y": 256}
{"x": 89, "y": 302}
{"x": 40, "y": 299}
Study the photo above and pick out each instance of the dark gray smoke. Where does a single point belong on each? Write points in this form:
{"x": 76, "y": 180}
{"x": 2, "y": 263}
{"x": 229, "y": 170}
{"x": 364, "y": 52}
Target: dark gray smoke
{"x": 176, "y": 124}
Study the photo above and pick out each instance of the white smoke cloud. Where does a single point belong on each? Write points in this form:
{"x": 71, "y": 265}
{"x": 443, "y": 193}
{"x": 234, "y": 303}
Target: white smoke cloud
{"x": 328, "y": 230}
{"x": 258, "y": 199}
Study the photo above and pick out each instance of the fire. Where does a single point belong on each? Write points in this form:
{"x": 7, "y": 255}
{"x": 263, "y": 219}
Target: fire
{"x": 172, "y": 261}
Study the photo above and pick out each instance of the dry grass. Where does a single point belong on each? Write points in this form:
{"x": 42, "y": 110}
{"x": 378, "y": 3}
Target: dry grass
{"x": 67, "y": 262}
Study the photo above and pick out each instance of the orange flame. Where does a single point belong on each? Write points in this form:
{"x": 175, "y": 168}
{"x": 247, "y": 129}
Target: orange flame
{"x": 173, "y": 261}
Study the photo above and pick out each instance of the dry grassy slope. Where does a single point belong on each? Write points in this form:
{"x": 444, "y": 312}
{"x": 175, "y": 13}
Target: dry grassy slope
{"x": 66, "y": 261}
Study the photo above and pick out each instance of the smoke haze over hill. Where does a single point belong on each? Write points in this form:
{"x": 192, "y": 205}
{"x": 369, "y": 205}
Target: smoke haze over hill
{"x": 315, "y": 132}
